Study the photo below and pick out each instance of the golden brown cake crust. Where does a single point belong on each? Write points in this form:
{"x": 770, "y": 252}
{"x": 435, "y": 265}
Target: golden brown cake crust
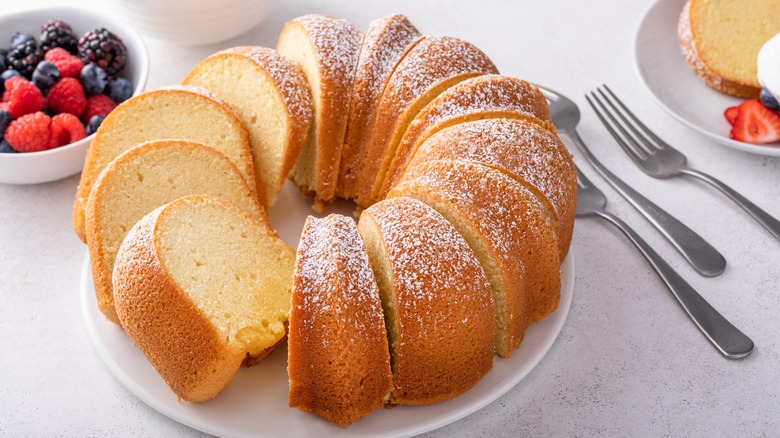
{"x": 508, "y": 220}
{"x": 443, "y": 302}
{"x": 528, "y": 152}
{"x": 336, "y": 45}
{"x": 179, "y": 341}
{"x": 339, "y": 362}
{"x": 95, "y": 160}
{"x": 430, "y": 67}
{"x": 482, "y": 97}
{"x": 292, "y": 89}
{"x": 687, "y": 38}
{"x": 385, "y": 42}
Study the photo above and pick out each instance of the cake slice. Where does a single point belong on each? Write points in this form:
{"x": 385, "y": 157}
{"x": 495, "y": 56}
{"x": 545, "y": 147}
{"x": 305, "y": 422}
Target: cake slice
{"x": 178, "y": 112}
{"x": 482, "y": 97}
{"x": 200, "y": 286}
{"x": 144, "y": 178}
{"x": 430, "y": 67}
{"x": 436, "y": 301}
{"x": 534, "y": 156}
{"x": 327, "y": 49}
{"x": 720, "y": 39}
{"x": 338, "y": 358}
{"x": 384, "y": 44}
{"x": 508, "y": 230}
{"x": 270, "y": 94}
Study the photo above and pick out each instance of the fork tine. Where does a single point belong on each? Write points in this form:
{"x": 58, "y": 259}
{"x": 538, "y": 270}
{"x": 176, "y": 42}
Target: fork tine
{"x": 581, "y": 180}
{"x": 637, "y": 155}
{"x": 646, "y": 146}
{"x": 658, "y": 142}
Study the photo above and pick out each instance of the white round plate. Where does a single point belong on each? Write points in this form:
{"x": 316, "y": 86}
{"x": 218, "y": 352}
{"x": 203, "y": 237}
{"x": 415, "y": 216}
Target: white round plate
{"x": 255, "y": 402}
{"x": 664, "y": 71}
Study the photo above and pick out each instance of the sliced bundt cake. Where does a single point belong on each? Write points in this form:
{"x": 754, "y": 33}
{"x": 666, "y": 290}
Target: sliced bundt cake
{"x": 177, "y": 112}
{"x": 270, "y": 94}
{"x": 436, "y": 301}
{"x": 200, "y": 286}
{"x": 327, "y": 49}
{"x": 338, "y": 358}
{"x": 385, "y": 42}
{"x": 144, "y": 178}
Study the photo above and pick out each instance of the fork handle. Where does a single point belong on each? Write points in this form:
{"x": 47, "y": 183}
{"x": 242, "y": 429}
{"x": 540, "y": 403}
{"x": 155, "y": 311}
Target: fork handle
{"x": 729, "y": 340}
{"x": 705, "y": 259}
{"x": 764, "y": 218}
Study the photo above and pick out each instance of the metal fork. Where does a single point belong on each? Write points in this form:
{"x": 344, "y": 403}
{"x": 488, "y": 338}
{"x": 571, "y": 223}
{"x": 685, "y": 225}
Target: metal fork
{"x": 656, "y": 157}
{"x": 701, "y": 255}
{"x": 729, "y": 340}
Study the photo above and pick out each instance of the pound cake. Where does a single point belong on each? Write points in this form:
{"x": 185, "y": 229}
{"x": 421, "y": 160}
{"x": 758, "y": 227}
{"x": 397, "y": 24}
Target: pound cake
{"x": 384, "y": 44}
{"x": 144, "y": 178}
{"x": 429, "y": 68}
{"x": 327, "y": 49}
{"x": 338, "y": 357}
{"x": 176, "y": 112}
{"x": 200, "y": 286}
{"x": 534, "y": 156}
{"x": 509, "y": 231}
{"x": 436, "y": 301}
{"x": 720, "y": 39}
{"x": 257, "y": 82}
{"x": 482, "y": 97}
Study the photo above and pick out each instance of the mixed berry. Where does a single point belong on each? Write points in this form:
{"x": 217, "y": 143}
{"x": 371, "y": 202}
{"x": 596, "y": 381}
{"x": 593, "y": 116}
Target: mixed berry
{"x": 755, "y": 121}
{"x": 58, "y": 89}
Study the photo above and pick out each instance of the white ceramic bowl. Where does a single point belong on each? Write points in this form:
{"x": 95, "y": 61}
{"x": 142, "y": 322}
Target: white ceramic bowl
{"x": 193, "y": 22}
{"x": 62, "y": 162}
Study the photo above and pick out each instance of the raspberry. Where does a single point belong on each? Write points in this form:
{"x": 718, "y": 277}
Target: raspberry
{"x": 4, "y": 106}
{"x": 99, "y": 104}
{"x": 65, "y": 129}
{"x": 68, "y": 65}
{"x": 67, "y": 96}
{"x": 29, "y": 133}
{"x": 24, "y": 97}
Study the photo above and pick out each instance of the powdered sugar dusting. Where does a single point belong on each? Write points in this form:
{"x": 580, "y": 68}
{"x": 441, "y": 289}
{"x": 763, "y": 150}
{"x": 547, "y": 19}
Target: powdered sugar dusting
{"x": 523, "y": 148}
{"x": 334, "y": 287}
{"x": 336, "y": 44}
{"x": 434, "y": 270}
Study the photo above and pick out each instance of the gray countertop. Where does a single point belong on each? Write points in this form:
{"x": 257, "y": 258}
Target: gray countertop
{"x": 628, "y": 361}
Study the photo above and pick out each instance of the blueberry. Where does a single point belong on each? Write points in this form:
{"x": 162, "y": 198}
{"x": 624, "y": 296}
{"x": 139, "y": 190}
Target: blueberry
{"x": 768, "y": 100}
{"x": 45, "y": 75}
{"x": 20, "y": 38}
{"x": 5, "y": 119}
{"x": 94, "y": 79}
{"x": 6, "y": 75}
{"x": 94, "y": 123}
{"x": 3, "y": 64}
{"x": 119, "y": 90}
{"x": 5, "y": 148}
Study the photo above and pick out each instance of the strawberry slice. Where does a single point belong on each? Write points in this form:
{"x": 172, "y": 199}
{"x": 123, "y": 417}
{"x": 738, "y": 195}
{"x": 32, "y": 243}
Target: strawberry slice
{"x": 731, "y": 114}
{"x": 755, "y": 123}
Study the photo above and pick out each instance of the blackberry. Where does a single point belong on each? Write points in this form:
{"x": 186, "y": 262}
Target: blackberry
{"x": 56, "y": 33}
{"x": 103, "y": 48}
{"x": 24, "y": 58}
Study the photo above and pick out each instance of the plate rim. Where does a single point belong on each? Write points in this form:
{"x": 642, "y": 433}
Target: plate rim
{"x": 558, "y": 319}
{"x": 766, "y": 150}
